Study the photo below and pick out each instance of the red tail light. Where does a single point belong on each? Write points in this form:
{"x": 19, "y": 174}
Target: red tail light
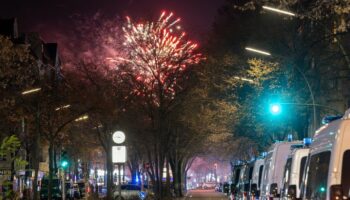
{"x": 336, "y": 192}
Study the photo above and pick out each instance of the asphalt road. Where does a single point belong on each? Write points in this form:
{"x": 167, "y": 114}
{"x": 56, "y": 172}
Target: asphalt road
{"x": 205, "y": 195}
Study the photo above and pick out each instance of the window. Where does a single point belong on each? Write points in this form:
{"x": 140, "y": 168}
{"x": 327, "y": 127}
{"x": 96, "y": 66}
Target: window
{"x": 260, "y": 175}
{"x": 286, "y": 175}
{"x": 236, "y": 176}
{"x": 248, "y": 173}
{"x": 317, "y": 177}
{"x": 251, "y": 173}
{"x": 345, "y": 175}
{"x": 302, "y": 169}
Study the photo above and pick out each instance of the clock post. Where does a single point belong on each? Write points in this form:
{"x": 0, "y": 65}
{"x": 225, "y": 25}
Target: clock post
{"x": 119, "y": 155}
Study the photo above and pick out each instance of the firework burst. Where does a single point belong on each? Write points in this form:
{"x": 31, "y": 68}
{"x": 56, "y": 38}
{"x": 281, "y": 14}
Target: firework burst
{"x": 159, "y": 54}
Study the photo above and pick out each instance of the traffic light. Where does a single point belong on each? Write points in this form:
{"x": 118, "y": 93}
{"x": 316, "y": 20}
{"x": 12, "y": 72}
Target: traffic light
{"x": 322, "y": 189}
{"x": 275, "y": 108}
{"x": 64, "y": 160}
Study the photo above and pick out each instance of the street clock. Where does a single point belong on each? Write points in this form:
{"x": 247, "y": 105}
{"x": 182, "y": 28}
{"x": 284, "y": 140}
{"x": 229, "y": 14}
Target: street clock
{"x": 118, "y": 137}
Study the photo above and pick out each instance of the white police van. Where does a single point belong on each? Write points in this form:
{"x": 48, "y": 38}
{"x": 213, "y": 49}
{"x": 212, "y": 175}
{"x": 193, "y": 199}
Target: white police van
{"x": 237, "y": 174}
{"x": 273, "y": 169}
{"x": 328, "y": 171}
{"x": 294, "y": 170}
{"x": 257, "y": 178}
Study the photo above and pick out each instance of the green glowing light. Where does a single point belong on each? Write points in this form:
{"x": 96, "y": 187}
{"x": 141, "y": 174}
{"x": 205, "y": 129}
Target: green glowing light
{"x": 64, "y": 164}
{"x": 322, "y": 189}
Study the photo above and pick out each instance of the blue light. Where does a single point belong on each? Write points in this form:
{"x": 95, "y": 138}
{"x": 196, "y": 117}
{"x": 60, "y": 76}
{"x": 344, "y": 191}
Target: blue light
{"x": 290, "y": 137}
{"x": 142, "y": 195}
{"x": 137, "y": 178}
{"x": 307, "y": 141}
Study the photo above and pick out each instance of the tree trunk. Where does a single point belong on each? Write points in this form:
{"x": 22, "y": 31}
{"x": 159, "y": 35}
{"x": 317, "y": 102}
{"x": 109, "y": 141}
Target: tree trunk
{"x": 50, "y": 170}
{"x": 36, "y": 157}
{"x": 179, "y": 178}
{"x": 109, "y": 164}
{"x": 156, "y": 170}
{"x": 55, "y": 168}
{"x": 168, "y": 191}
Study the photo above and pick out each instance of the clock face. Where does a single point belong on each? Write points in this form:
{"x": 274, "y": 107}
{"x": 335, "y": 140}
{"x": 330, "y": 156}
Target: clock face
{"x": 118, "y": 137}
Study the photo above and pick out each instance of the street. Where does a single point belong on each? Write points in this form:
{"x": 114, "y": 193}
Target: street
{"x": 205, "y": 195}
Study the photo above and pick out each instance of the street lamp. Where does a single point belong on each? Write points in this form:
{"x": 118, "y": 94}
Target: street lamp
{"x": 30, "y": 91}
{"x": 62, "y": 107}
{"x": 278, "y": 10}
{"x": 258, "y": 51}
{"x": 84, "y": 117}
{"x": 244, "y": 79}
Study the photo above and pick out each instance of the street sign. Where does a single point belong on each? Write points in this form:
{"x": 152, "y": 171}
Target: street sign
{"x": 118, "y": 154}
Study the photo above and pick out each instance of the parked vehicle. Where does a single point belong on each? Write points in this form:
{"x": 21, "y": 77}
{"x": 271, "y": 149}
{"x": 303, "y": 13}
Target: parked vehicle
{"x": 245, "y": 180}
{"x": 208, "y": 185}
{"x": 129, "y": 192}
{"x": 82, "y": 188}
{"x": 293, "y": 172}
{"x": 274, "y": 166}
{"x": 257, "y": 178}
{"x": 56, "y": 191}
{"x": 327, "y": 175}
{"x": 237, "y": 175}
{"x": 72, "y": 191}
{"x": 218, "y": 187}
{"x": 226, "y": 188}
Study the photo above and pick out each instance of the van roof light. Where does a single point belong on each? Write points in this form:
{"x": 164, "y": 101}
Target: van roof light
{"x": 307, "y": 141}
{"x": 329, "y": 119}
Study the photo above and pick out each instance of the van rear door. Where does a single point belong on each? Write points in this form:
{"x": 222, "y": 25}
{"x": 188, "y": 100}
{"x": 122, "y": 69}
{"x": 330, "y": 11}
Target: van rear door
{"x": 345, "y": 175}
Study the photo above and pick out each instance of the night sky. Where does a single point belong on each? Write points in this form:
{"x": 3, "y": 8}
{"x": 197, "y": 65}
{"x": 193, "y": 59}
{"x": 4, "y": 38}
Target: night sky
{"x": 52, "y": 16}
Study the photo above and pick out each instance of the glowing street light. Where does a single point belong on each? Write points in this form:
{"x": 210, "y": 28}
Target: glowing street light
{"x": 244, "y": 79}
{"x": 278, "y": 11}
{"x": 84, "y": 117}
{"x": 258, "y": 51}
{"x": 34, "y": 90}
{"x": 62, "y": 107}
